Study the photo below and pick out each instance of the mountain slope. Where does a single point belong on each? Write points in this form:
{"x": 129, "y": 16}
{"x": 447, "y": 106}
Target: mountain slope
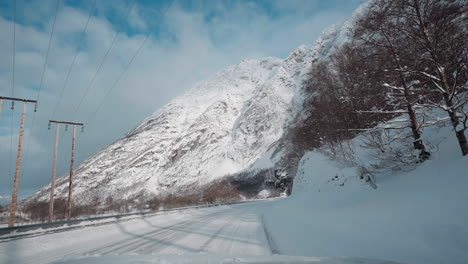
{"x": 221, "y": 126}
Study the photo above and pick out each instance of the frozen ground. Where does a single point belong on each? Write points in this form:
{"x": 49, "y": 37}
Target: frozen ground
{"x": 219, "y": 258}
{"x": 417, "y": 215}
{"x": 227, "y": 230}
{"x": 226, "y": 234}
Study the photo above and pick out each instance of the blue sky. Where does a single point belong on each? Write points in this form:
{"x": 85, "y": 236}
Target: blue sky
{"x": 194, "y": 40}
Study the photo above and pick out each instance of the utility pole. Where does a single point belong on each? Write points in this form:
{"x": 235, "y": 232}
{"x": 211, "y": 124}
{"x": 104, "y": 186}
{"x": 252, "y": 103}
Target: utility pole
{"x": 1, "y": 107}
{"x": 54, "y": 167}
{"x": 2, "y": 98}
{"x": 70, "y": 184}
{"x": 14, "y": 195}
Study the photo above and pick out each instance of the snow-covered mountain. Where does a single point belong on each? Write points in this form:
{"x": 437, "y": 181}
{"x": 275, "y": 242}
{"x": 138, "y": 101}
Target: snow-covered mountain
{"x": 219, "y": 127}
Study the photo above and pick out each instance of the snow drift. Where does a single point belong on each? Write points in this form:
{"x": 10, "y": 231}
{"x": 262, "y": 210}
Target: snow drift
{"x": 418, "y": 214}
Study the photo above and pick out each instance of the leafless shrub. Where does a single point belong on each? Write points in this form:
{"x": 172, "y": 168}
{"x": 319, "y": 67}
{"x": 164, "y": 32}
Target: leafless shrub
{"x": 342, "y": 151}
{"x": 154, "y": 203}
{"x": 36, "y": 210}
{"x": 220, "y": 192}
{"x": 392, "y": 151}
{"x": 60, "y": 208}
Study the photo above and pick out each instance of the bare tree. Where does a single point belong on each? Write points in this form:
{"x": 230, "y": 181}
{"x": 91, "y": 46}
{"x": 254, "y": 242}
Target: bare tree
{"x": 379, "y": 32}
{"x": 439, "y": 29}
{"x": 436, "y": 53}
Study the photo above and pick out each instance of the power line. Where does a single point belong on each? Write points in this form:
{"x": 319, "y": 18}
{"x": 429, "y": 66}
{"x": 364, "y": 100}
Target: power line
{"x": 48, "y": 49}
{"x": 74, "y": 58}
{"x": 44, "y": 68}
{"x": 12, "y": 89}
{"x": 127, "y": 13}
{"x": 83, "y": 33}
{"x": 28, "y": 142}
{"x": 14, "y": 49}
{"x": 129, "y": 8}
{"x": 125, "y": 68}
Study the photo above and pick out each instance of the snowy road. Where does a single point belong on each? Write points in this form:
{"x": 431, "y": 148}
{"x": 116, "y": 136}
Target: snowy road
{"x": 228, "y": 230}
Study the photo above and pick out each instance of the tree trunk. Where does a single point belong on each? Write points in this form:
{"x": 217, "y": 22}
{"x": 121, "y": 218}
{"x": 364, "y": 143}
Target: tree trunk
{"x": 418, "y": 143}
{"x": 414, "y": 124}
{"x": 443, "y": 81}
{"x": 452, "y": 113}
{"x": 455, "y": 122}
{"x": 463, "y": 142}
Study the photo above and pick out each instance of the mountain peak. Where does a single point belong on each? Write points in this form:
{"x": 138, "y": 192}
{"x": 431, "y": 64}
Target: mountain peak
{"x": 220, "y": 126}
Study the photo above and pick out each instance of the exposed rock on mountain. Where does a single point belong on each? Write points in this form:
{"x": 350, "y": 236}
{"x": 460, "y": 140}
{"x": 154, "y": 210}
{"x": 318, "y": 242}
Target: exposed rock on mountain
{"x": 221, "y": 126}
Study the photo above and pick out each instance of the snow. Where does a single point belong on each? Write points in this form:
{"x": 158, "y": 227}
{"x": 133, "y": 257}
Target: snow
{"x": 225, "y": 234}
{"x": 264, "y": 194}
{"x": 233, "y": 121}
{"x": 207, "y": 259}
{"x": 221, "y": 126}
{"x": 414, "y": 216}
{"x": 266, "y": 161}
{"x": 233, "y": 231}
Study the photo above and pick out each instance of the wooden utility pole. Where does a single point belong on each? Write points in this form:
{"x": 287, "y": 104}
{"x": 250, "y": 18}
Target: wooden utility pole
{"x": 14, "y": 195}
{"x": 54, "y": 167}
{"x": 1, "y": 107}
{"x": 14, "y": 99}
{"x": 70, "y": 184}
{"x": 18, "y": 99}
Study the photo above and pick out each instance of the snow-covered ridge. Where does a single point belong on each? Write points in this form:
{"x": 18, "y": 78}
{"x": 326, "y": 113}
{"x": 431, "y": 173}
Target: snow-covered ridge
{"x": 221, "y": 126}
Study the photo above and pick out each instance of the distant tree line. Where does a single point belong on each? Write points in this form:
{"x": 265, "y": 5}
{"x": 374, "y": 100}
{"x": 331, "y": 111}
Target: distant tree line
{"x": 221, "y": 191}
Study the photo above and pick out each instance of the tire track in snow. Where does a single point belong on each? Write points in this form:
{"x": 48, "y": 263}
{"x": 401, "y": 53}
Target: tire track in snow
{"x": 172, "y": 237}
{"x": 271, "y": 243}
{"x": 132, "y": 240}
{"x": 235, "y": 230}
{"x": 161, "y": 235}
{"x": 215, "y": 235}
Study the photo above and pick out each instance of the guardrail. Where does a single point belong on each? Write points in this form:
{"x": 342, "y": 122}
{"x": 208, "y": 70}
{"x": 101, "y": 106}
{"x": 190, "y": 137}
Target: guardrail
{"x": 16, "y": 230}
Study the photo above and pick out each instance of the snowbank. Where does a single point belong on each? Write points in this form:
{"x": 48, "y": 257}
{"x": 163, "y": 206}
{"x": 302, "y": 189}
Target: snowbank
{"x": 215, "y": 259}
{"x": 417, "y": 216}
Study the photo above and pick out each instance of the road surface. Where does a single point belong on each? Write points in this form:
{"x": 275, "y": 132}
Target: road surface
{"x": 228, "y": 230}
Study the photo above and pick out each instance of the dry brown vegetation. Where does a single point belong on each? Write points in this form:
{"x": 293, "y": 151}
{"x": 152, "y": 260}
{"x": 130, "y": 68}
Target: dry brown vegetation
{"x": 225, "y": 190}
{"x": 218, "y": 192}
